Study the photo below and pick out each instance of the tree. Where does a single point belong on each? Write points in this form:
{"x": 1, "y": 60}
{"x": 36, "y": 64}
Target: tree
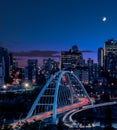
{"x": 36, "y": 125}
{"x": 60, "y": 124}
{"x": 108, "y": 117}
{"x": 84, "y": 122}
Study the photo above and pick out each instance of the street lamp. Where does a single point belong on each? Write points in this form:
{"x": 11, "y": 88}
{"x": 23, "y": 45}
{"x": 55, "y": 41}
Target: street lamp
{"x": 26, "y": 85}
{"x": 4, "y": 86}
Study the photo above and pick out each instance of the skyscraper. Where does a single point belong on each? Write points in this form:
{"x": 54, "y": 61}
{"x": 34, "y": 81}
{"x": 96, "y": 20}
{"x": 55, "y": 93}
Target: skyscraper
{"x": 111, "y": 64}
{"x": 110, "y": 57}
{"x": 5, "y": 59}
{"x": 32, "y": 69}
{"x": 100, "y": 57}
{"x": 49, "y": 67}
{"x": 90, "y": 68}
{"x": 69, "y": 59}
{"x": 110, "y": 46}
{"x": 2, "y": 70}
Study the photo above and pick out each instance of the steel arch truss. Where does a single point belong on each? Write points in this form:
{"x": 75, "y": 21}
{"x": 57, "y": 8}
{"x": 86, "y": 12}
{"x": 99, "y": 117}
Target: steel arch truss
{"x": 62, "y": 89}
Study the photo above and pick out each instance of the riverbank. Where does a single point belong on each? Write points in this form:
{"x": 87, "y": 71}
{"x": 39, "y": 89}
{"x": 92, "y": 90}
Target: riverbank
{"x": 98, "y": 117}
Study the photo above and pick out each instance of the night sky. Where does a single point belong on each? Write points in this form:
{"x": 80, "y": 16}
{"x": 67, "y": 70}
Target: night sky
{"x": 57, "y": 24}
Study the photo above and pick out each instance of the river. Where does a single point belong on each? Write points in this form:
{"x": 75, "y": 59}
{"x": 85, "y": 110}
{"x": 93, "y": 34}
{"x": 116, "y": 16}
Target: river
{"x": 101, "y": 116}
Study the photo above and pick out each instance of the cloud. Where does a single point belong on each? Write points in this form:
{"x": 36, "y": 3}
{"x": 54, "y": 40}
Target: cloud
{"x": 43, "y": 53}
{"x": 37, "y": 53}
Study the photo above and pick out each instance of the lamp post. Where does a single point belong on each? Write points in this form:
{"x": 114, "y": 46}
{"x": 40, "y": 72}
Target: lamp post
{"x": 4, "y": 86}
{"x": 26, "y": 86}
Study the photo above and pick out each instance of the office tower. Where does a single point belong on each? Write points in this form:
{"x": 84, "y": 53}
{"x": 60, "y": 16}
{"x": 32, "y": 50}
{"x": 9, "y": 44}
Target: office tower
{"x": 49, "y": 67}
{"x": 100, "y": 57}
{"x": 95, "y": 71}
{"x": 110, "y": 46}
{"x": 82, "y": 73}
{"x": 25, "y": 73}
{"x": 70, "y": 59}
{"x": 4, "y": 54}
{"x": 2, "y": 70}
{"x": 15, "y": 63}
{"x": 32, "y": 69}
{"x": 111, "y": 63}
{"x": 90, "y": 68}
{"x": 110, "y": 57}
{"x": 11, "y": 60}
{"x": 100, "y": 61}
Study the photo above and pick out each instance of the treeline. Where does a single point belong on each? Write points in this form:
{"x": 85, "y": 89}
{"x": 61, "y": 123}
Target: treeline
{"x": 16, "y": 105}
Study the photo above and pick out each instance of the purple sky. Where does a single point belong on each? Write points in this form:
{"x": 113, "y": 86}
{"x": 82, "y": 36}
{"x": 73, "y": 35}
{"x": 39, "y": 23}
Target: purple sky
{"x": 22, "y": 57}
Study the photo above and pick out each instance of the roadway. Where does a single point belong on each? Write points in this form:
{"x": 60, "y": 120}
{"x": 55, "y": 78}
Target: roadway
{"x": 48, "y": 114}
{"x": 68, "y": 117}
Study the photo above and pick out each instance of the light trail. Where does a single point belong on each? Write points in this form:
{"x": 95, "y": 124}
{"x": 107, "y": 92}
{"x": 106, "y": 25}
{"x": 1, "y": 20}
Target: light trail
{"x": 85, "y": 108}
{"x": 46, "y": 115}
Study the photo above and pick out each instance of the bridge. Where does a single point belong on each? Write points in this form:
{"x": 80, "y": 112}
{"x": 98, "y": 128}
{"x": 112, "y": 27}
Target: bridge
{"x": 62, "y": 93}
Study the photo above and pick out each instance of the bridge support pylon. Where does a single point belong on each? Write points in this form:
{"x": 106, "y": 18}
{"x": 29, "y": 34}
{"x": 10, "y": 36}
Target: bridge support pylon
{"x": 55, "y": 121}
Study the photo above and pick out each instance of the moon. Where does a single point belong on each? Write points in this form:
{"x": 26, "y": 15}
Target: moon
{"x": 104, "y": 19}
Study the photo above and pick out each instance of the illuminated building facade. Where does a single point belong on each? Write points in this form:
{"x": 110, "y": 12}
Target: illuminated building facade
{"x": 49, "y": 67}
{"x": 69, "y": 59}
{"x": 73, "y": 60}
{"x": 100, "y": 60}
{"x": 110, "y": 57}
{"x": 110, "y": 46}
{"x": 90, "y": 68}
{"x": 82, "y": 73}
{"x": 32, "y": 69}
{"x": 100, "y": 57}
{"x": 111, "y": 64}
{"x": 2, "y": 71}
{"x": 5, "y": 60}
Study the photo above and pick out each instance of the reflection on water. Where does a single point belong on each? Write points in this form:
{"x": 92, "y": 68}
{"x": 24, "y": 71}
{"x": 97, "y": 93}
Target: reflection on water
{"x": 98, "y": 117}
{"x": 102, "y": 125}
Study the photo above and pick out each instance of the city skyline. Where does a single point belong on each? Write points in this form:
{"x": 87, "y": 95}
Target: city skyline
{"x": 57, "y": 25}
{"x": 58, "y": 64}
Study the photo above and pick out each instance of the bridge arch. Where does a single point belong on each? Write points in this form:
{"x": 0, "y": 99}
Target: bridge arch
{"x": 60, "y": 90}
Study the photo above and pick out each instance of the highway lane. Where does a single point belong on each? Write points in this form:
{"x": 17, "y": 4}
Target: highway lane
{"x": 45, "y": 115}
{"x": 68, "y": 118}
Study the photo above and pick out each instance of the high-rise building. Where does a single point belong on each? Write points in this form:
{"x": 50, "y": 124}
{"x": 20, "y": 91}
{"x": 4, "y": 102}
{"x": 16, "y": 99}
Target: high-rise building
{"x": 4, "y": 54}
{"x": 100, "y": 57}
{"x": 49, "y": 67}
{"x": 32, "y": 69}
{"x": 70, "y": 59}
{"x": 110, "y": 57}
{"x": 95, "y": 71}
{"x": 25, "y": 73}
{"x": 11, "y": 61}
{"x": 90, "y": 68}
{"x": 82, "y": 73}
{"x": 100, "y": 60}
{"x": 110, "y": 46}
{"x": 15, "y": 63}
{"x": 111, "y": 63}
{"x": 2, "y": 71}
